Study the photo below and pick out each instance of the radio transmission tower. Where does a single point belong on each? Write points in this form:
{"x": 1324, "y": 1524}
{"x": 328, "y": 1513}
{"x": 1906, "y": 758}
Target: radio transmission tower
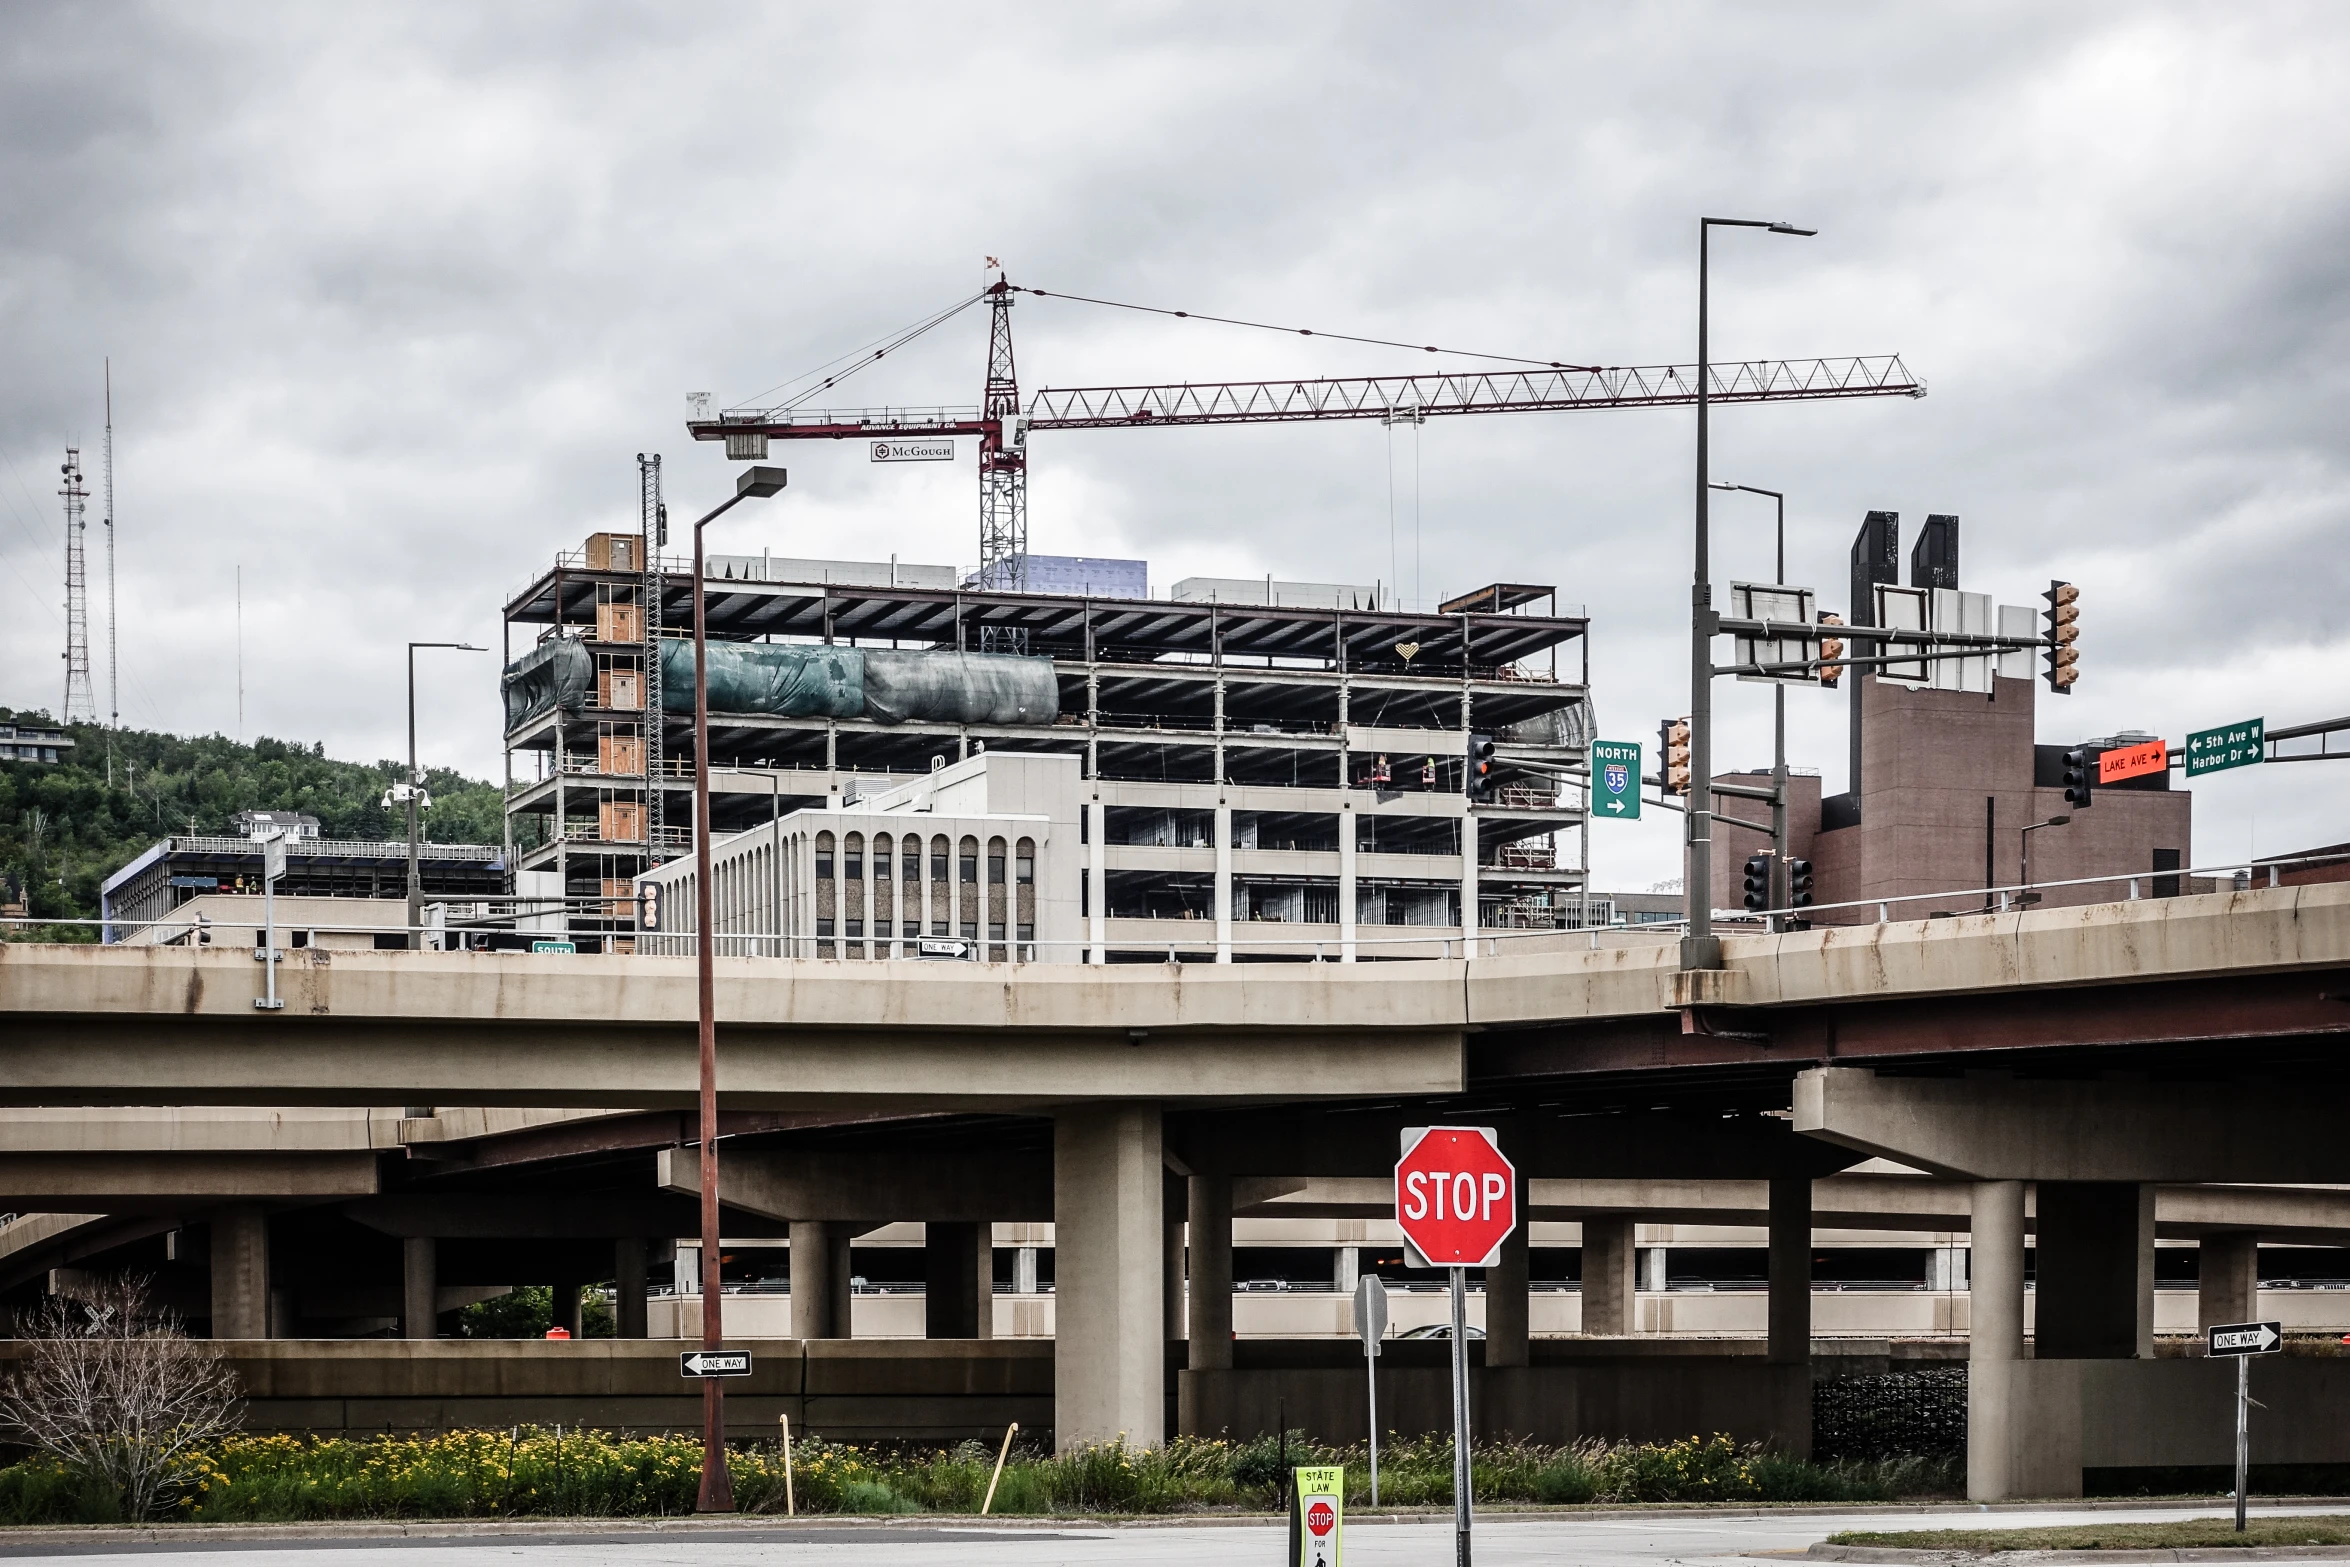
{"x": 81, "y": 703}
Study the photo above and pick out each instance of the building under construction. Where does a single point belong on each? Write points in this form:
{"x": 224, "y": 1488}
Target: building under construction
{"x": 1266, "y": 769}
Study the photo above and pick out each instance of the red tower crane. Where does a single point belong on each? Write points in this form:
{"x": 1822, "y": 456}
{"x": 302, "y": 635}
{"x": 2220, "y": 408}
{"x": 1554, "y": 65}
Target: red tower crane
{"x": 1003, "y": 427}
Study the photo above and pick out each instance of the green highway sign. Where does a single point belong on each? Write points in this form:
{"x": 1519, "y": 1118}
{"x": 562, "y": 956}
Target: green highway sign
{"x": 1615, "y": 780}
{"x": 2233, "y": 745}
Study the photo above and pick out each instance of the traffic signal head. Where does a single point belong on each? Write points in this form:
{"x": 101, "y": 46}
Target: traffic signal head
{"x": 1831, "y": 648}
{"x": 648, "y": 905}
{"x": 2080, "y": 779}
{"x": 2063, "y": 615}
{"x": 1798, "y": 884}
{"x": 1758, "y": 882}
{"x": 1478, "y": 779}
{"x": 1673, "y": 756}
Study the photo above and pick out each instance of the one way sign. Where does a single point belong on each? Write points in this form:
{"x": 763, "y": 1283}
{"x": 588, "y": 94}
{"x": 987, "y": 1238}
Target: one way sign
{"x": 2248, "y": 1338}
{"x": 714, "y": 1363}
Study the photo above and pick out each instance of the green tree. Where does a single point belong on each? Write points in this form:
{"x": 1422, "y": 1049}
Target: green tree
{"x": 64, "y": 829}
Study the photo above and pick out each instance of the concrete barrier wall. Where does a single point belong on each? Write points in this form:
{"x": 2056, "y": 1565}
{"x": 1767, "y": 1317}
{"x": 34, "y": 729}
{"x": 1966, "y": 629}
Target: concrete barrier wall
{"x": 1603, "y": 1388}
{"x": 852, "y": 1389}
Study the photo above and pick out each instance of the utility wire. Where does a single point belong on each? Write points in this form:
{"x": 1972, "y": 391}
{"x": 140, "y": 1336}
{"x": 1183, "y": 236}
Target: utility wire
{"x": 1303, "y": 331}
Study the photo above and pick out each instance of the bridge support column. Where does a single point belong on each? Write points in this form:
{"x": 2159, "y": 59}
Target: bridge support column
{"x": 1610, "y": 1274}
{"x": 1109, "y": 1348}
{"x": 2227, "y": 1279}
{"x": 1210, "y": 1293}
{"x": 2096, "y": 1271}
{"x": 628, "y": 1281}
{"x": 240, "y": 1272}
{"x": 1173, "y": 1202}
{"x": 1790, "y": 1269}
{"x": 1506, "y": 1307}
{"x": 958, "y": 1280}
{"x": 1995, "y": 1341}
{"x": 819, "y": 1279}
{"x": 420, "y": 1287}
{"x": 568, "y": 1313}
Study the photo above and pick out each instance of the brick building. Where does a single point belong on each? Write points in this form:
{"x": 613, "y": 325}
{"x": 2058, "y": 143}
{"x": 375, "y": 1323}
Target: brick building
{"x": 1945, "y": 781}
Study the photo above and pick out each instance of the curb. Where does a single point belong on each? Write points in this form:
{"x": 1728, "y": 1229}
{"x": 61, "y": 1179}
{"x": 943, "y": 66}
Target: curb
{"x": 2222, "y": 1553}
{"x": 25, "y": 1538}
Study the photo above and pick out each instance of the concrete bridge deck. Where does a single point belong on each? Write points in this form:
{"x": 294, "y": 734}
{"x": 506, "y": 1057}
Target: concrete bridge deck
{"x": 171, "y": 1025}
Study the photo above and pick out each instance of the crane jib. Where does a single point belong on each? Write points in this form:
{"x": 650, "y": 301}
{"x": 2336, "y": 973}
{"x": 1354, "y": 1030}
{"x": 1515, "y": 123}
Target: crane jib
{"x": 1360, "y": 397}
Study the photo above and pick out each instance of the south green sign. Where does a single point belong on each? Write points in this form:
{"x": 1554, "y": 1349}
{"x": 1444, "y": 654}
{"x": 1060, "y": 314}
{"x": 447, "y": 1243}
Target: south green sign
{"x": 2231, "y": 745}
{"x": 1615, "y": 780}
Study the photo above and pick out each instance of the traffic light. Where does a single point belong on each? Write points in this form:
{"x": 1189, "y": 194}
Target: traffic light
{"x": 1799, "y": 884}
{"x": 648, "y": 905}
{"x": 1758, "y": 882}
{"x": 2080, "y": 779}
{"x": 1672, "y": 751}
{"x": 1830, "y": 648}
{"x": 2063, "y": 615}
{"x": 1478, "y": 780}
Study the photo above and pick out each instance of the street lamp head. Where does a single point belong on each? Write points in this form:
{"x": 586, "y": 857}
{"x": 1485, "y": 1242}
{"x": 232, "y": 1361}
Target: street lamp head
{"x": 467, "y": 647}
{"x": 759, "y": 483}
{"x": 1789, "y": 228}
{"x": 2058, "y": 821}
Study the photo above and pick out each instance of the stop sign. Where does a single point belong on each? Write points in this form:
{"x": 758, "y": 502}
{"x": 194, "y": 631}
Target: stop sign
{"x": 1456, "y": 1197}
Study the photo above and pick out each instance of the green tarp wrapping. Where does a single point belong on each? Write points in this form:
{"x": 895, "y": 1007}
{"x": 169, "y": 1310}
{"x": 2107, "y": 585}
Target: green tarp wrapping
{"x": 559, "y": 672}
{"x": 887, "y": 685}
{"x": 786, "y": 680}
{"x": 959, "y": 688}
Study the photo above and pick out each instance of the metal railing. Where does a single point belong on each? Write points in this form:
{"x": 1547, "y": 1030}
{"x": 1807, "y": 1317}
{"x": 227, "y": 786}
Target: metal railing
{"x": 1452, "y": 944}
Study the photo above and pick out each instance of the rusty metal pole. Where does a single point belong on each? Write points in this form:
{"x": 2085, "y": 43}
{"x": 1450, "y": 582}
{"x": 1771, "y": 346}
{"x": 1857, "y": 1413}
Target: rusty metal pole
{"x": 717, "y": 1494}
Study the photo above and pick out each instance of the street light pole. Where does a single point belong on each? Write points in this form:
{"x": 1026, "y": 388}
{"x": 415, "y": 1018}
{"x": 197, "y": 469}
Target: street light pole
{"x": 2025, "y": 839}
{"x": 1702, "y": 949}
{"x": 415, "y": 781}
{"x": 1779, "y": 872}
{"x": 717, "y": 1494}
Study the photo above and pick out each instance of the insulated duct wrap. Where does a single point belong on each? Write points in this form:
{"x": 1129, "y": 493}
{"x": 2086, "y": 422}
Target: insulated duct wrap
{"x": 559, "y": 672}
{"x": 787, "y": 680}
{"x": 889, "y": 686}
{"x": 959, "y": 688}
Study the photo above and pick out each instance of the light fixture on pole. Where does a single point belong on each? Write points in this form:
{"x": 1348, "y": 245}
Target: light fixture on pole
{"x": 2025, "y": 837}
{"x": 717, "y": 1493}
{"x": 411, "y": 794}
{"x": 1702, "y": 949}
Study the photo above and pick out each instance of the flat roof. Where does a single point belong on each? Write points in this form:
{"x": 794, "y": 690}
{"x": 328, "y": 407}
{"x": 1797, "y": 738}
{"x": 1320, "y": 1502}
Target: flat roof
{"x": 1066, "y": 626}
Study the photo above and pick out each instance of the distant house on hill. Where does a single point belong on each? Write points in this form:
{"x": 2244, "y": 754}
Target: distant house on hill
{"x": 33, "y": 743}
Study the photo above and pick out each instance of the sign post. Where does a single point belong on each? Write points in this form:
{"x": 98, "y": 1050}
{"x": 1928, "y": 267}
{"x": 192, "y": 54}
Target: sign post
{"x": 2230, "y": 745}
{"x": 1615, "y": 780}
{"x": 1371, "y": 1327}
{"x": 2243, "y": 1340}
{"x": 1456, "y": 1201}
{"x": 1318, "y": 1515}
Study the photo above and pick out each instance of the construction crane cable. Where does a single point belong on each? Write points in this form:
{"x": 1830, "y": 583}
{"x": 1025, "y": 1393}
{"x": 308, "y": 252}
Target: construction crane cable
{"x": 879, "y": 347}
{"x": 1303, "y": 331}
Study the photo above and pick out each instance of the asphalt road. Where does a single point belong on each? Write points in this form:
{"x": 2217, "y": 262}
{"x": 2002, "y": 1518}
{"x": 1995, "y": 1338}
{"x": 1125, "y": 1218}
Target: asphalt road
{"x": 1652, "y": 1541}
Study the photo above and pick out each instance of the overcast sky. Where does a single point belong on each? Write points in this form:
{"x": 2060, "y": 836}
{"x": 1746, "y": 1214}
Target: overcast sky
{"x": 394, "y": 295}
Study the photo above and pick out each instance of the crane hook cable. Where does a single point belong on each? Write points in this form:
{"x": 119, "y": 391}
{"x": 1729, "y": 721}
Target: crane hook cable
{"x": 1301, "y": 331}
{"x": 889, "y": 342}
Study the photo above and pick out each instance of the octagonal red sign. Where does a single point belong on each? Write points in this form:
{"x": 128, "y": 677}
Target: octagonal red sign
{"x": 1456, "y": 1197}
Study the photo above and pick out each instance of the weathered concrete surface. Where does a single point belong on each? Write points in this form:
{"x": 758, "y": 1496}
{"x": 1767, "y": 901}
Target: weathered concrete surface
{"x": 95, "y": 1025}
{"x": 944, "y": 1390}
{"x": 1998, "y": 1128}
{"x": 1913, "y": 1204}
{"x": 172, "y": 1182}
{"x": 1573, "y": 1389}
{"x": 876, "y": 1187}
